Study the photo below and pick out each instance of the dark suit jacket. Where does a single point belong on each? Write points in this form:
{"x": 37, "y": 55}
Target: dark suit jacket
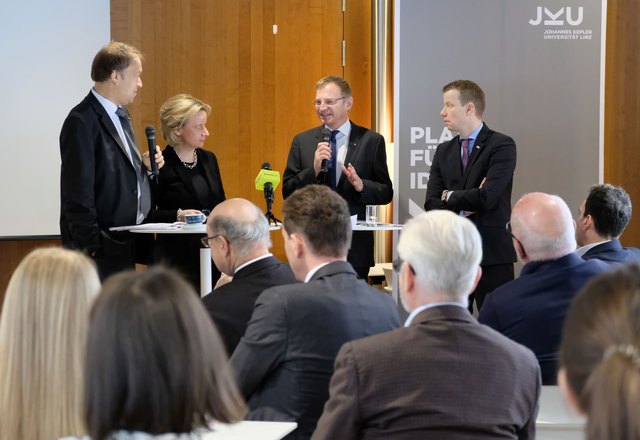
{"x": 443, "y": 377}
{"x": 366, "y": 152}
{"x": 98, "y": 187}
{"x": 493, "y": 157}
{"x": 612, "y": 252}
{"x": 231, "y": 305}
{"x": 285, "y": 359}
{"x": 531, "y": 309}
{"x": 175, "y": 190}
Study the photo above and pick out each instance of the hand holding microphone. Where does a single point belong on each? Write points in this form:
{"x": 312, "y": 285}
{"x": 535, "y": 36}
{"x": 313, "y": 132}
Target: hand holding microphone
{"x": 323, "y": 153}
{"x": 154, "y": 151}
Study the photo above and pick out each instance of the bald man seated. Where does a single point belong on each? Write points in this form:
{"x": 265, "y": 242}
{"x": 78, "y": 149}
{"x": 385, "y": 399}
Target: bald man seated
{"x": 531, "y": 309}
{"x": 238, "y": 235}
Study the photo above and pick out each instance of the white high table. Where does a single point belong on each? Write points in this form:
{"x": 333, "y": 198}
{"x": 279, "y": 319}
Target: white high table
{"x": 205, "y": 253}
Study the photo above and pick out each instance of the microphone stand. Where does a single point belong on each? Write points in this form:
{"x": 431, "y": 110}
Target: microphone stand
{"x": 268, "y": 195}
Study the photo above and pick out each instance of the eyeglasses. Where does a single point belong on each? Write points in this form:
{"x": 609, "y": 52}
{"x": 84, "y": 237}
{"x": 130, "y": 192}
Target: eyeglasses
{"x": 507, "y": 228}
{"x": 397, "y": 265}
{"x": 327, "y": 102}
{"x": 206, "y": 241}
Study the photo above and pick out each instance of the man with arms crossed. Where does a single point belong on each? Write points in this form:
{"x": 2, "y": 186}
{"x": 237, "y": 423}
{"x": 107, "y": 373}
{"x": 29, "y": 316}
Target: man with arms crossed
{"x": 103, "y": 182}
{"x": 472, "y": 175}
{"x": 443, "y": 375}
{"x": 357, "y": 171}
{"x": 285, "y": 359}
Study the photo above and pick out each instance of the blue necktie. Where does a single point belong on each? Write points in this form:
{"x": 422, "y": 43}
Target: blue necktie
{"x": 144, "y": 203}
{"x": 333, "y": 164}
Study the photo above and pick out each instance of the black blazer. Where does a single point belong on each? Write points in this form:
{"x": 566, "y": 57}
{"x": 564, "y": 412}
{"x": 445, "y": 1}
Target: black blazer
{"x": 98, "y": 184}
{"x": 493, "y": 157}
{"x": 175, "y": 190}
{"x": 366, "y": 152}
{"x": 285, "y": 359}
{"x": 231, "y": 305}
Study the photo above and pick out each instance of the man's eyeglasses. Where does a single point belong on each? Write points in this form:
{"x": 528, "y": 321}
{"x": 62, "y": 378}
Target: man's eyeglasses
{"x": 328, "y": 102}
{"x": 507, "y": 228}
{"x": 397, "y": 264}
{"x": 206, "y": 241}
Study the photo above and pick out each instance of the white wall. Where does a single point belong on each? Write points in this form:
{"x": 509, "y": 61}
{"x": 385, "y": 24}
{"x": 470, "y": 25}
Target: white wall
{"x": 46, "y": 48}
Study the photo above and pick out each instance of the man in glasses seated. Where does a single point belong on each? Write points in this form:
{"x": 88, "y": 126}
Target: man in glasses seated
{"x": 350, "y": 159}
{"x": 238, "y": 235}
{"x": 531, "y": 309}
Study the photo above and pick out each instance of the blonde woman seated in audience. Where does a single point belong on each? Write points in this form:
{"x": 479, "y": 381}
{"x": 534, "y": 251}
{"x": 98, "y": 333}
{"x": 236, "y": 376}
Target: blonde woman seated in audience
{"x": 600, "y": 355}
{"x": 43, "y": 330}
{"x": 156, "y": 366}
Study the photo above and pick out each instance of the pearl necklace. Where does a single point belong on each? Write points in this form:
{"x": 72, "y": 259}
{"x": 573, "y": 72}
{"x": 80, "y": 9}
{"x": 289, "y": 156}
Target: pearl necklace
{"x": 191, "y": 165}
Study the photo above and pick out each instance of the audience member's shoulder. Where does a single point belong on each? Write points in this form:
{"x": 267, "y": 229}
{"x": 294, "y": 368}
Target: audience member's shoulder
{"x": 508, "y": 347}
{"x": 596, "y": 265}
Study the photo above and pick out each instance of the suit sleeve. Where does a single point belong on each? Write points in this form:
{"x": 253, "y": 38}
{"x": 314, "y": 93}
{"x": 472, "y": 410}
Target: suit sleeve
{"x": 296, "y": 174}
{"x": 341, "y": 416}
{"x": 499, "y": 175}
{"x": 263, "y": 346}
{"x": 377, "y": 188}
{"x": 77, "y": 181}
{"x": 435, "y": 186}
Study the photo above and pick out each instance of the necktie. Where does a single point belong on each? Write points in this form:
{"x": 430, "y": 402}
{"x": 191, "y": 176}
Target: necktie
{"x": 144, "y": 196}
{"x": 333, "y": 164}
{"x": 465, "y": 153}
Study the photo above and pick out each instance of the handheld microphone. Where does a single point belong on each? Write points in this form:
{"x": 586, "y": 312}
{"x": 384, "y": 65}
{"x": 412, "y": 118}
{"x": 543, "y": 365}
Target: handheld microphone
{"x": 326, "y": 137}
{"x": 267, "y": 180}
{"x": 151, "y": 141}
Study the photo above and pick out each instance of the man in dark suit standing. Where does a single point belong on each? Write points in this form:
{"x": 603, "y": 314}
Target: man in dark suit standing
{"x": 285, "y": 359}
{"x": 531, "y": 309}
{"x": 443, "y": 375}
{"x": 356, "y": 163}
{"x": 103, "y": 182}
{"x": 602, "y": 218}
{"x": 472, "y": 174}
{"x": 238, "y": 235}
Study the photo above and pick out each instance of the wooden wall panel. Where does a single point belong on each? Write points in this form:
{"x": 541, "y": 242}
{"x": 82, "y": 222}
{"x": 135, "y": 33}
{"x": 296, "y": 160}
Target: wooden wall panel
{"x": 12, "y": 252}
{"x": 259, "y": 83}
{"x": 622, "y": 106}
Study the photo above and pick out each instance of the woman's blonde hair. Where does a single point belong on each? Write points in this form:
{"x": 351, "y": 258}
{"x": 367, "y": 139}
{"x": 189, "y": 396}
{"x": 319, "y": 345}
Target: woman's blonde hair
{"x": 43, "y": 332}
{"x": 175, "y": 113}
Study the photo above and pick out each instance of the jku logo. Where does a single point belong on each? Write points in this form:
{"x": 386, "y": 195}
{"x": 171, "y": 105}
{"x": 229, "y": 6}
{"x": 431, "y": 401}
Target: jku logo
{"x": 553, "y": 18}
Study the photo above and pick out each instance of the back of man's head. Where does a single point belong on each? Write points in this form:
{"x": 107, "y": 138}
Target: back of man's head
{"x": 542, "y": 227}
{"x": 444, "y": 251}
{"x": 243, "y": 225}
{"x": 610, "y": 208}
{"x": 322, "y": 217}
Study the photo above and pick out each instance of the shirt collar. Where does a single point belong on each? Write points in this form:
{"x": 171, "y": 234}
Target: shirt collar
{"x": 587, "y": 247}
{"x": 246, "y": 263}
{"x": 313, "y": 271}
{"x": 430, "y": 306}
{"x": 109, "y": 106}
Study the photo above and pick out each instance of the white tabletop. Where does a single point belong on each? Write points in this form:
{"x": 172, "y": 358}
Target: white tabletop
{"x": 178, "y": 228}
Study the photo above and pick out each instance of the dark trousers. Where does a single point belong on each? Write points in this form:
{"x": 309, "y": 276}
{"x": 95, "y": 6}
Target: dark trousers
{"x": 493, "y": 277}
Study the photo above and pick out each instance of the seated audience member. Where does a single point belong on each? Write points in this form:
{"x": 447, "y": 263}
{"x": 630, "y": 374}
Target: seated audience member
{"x": 443, "y": 375}
{"x": 238, "y": 234}
{"x": 156, "y": 367}
{"x": 601, "y": 221}
{"x": 43, "y": 332}
{"x": 285, "y": 359}
{"x": 531, "y": 309}
{"x": 600, "y": 355}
